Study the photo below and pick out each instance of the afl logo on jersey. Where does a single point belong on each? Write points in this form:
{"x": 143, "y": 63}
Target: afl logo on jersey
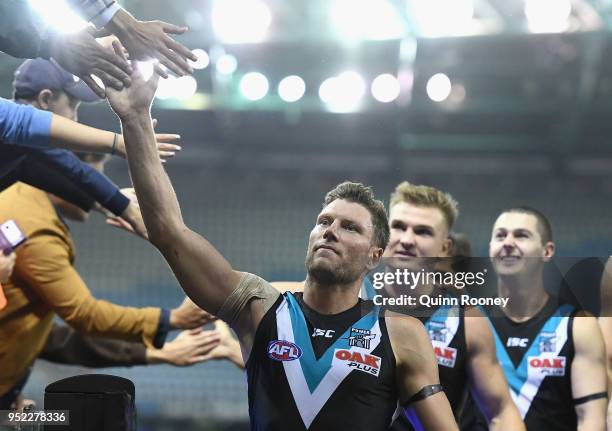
{"x": 281, "y": 350}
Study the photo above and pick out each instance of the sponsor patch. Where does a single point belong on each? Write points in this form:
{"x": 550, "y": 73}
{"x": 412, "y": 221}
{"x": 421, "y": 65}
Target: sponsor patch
{"x": 281, "y": 350}
{"x": 550, "y": 366}
{"x": 447, "y": 356}
{"x": 358, "y": 361}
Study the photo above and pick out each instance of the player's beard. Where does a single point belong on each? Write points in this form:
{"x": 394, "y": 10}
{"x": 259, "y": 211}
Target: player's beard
{"x": 330, "y": 275}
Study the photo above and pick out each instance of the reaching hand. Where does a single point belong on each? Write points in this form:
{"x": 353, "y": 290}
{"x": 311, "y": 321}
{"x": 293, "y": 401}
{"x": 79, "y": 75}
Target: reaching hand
{"x": 137, "y": 97}
{"x": 149, "y": 39}
{"x": 165, "y": 149}
{"x": 82, "y": 56}
{"x": 131, "y": 219}
{"x": 228, "y": 347}
{"x": 21, "y": 403}
{"x": 190, "y": 347}
{"x": 188, "y": 316}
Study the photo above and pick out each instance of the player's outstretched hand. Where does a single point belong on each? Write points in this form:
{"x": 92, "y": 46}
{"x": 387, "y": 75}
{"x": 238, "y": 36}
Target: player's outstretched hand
{"x": 138, "y": 97}
{"x": 81, "y": 55}
{"x": 145, "y": 40}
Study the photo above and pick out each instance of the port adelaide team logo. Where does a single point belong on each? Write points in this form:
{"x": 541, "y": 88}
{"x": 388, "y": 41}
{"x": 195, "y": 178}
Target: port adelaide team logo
{"x": 438, "y": 333}
{"x": 360, "y": 338}
{"x": 281, "y": 350}
{"x": 547, "y": 342}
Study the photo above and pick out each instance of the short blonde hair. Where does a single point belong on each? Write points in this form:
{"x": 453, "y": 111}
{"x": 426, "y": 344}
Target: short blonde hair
{"x": 426, "y": 196}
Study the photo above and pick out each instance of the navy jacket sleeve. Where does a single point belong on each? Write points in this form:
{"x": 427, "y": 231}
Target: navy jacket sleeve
{"x": 60, "y": 172}
{"x": 41, "y": 176}
{"x": 92, "y": 182}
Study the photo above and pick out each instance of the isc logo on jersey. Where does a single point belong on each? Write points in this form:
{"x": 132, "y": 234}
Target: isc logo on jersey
{"x": 447, "y": 356}
{"x": 358, "y": 361}
{"x": 281, "y": 350}
{"x": 549, "y": 365}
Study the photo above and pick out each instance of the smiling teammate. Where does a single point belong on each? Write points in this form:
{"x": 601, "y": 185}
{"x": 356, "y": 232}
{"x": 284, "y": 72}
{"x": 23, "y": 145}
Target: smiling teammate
{"x": 553, "y": 355}
{"x": 420, "y": 220}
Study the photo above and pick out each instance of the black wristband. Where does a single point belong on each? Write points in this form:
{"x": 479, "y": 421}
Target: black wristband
{"x": 591, "y": 397}
{"x": 426, "y": 391}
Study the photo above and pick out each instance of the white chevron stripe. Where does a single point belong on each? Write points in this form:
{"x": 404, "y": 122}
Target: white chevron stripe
{"x": 530, "y": 388}
{"x": 310, "y": 404}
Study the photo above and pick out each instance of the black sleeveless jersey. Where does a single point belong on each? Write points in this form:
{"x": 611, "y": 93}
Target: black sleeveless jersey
{"x": 309, "y": 371}
{"x": 536, "y": 357}
{"x": 446, "y": 329}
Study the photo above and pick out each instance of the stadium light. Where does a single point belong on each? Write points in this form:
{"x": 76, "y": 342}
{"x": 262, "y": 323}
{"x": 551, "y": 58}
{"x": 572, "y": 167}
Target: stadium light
{"x": 226, "y": 64}
{"x": 291, "y": 88}
{"x": 366, "y": 19}
{"x": 343, "y": 93}
{"x": 184, "y": 87}
{"x": 436, "y": 18}
{"x": 203, "y": 60}
{"x": 165, "y": 88}
{"x": 254, "y": 86}
{"x": 58, "y": 15}
{"x": 385, "y": 88}
{"x": 240, "y": 21}
{"x": 547, "y": 16}
{"x": 439, "y": 87}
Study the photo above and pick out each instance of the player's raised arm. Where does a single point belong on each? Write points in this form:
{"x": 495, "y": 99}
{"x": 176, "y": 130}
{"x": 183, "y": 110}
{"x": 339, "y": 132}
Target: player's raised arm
{"x": 201, "y": 270}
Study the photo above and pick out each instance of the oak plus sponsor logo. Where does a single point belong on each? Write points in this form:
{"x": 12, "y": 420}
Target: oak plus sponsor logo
{"x": 446, "y": 356}
{"x": 360, "y": 361}
{"x": 547, "y": 365}
{"x": 281, "y": 350}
